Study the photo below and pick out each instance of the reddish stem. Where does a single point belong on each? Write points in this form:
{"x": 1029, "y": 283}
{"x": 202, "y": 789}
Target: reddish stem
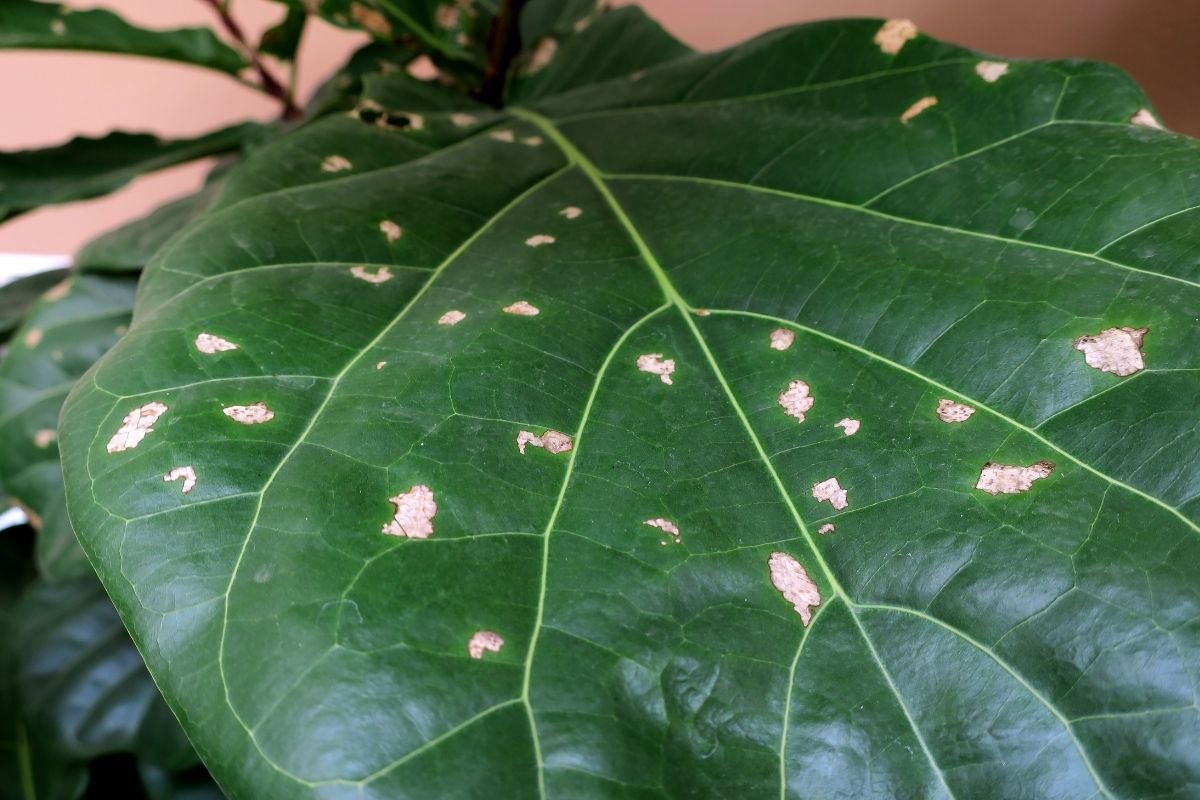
{"x": 268, "y": 82}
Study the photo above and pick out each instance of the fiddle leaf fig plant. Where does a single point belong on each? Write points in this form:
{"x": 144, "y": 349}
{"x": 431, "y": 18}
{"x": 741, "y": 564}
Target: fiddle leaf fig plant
{"x": 601, "y": 419}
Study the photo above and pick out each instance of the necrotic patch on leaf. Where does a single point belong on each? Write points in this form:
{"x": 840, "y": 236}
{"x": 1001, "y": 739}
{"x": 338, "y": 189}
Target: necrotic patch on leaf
{"x": 849, "y": 426}
{"x": 136, "y": 426}
{"x": 991, "y": 71}
{"x": 542, "y": 53}
{"x": 502, "y": 136}
{"x": 552, "y": 441}
{"x": 950, "y": 411}
{"x": 532, "y": 141}
{"x": 336, "y": 163}
{"x": 1144, "y": 118}
{"x": 447, "y": 16}
{"x": 255, "y": 414}
{"x": 782, "y": 338}
{"x": 461, "y": 120}
{"x": 522, "y": 309}
{"x": 571, "y": 212}
{"x": 917, "y": 107}
{"x": 371, "y": 20}
{"x": 795, "y": 400}
{"x": 894, "y": 33}
{"x": 58, "y": 291}
{"x": 790, "y": 578}
{"x": 188, "y": 474}
{"x": 391, "y": 230}
{"x": 44, "y": 438}
{"x": 33, "y": 338}
{"x": 828, "y": 527}
{"x": 484, "y": 640}
{"x": 415, "y": 510}
{"x": 209, "y": 344}
{"x": 453, "y": 317}
{"x": 655, "y": 364}
{"x": 1115, "y": 350}
{"x": 1009, "y": 479}
{"x": 539, "y": 239}
{"x": 830, "y": 490}
{"x": 380, "y": 276}
{"x": 667, "y": 527}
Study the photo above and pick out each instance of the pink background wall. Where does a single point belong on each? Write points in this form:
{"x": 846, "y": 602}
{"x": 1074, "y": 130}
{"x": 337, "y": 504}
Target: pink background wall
{"x": 46, "y": 98}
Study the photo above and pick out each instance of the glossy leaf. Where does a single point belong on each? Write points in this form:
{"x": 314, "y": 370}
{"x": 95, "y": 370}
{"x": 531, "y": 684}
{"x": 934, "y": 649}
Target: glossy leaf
{"x": 433, "y": 29}
{"x": 604, "y": 621}
{"x": 26, "y": 24}
{"x": 64, "y": 334}
{"x": 85, "y": 168}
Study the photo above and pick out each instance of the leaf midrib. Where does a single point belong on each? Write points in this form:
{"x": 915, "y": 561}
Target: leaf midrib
{"x": 687, "y": 313}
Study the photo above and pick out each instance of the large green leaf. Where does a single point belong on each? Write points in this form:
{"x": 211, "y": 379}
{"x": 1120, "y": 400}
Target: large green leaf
{"x": 793, "y": 210}
{"x": 18, "y": 296}
{"x": 63, "y": 335}
{"x": 85, "y": 168}
{"x": 50, "y": 26}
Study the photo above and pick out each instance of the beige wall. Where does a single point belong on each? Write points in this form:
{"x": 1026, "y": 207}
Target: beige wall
{"x": 48, "y": 97}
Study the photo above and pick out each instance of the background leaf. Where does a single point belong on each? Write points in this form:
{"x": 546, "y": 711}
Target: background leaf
{"x": 18, "y": 296}
{"x": 674, "y": 607}
{"x": 29, "y": 24}
{"x": 283, "y": 39}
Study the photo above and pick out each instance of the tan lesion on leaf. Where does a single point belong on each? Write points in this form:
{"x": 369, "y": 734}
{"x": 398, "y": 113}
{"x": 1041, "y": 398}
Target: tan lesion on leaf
{"x": 1145, "y": 119}
{"x": 537, "y": 240}
{"x": 187, "y": 474}
{"x": 571, "y": 212}
{"x": 136, "y": 425}
{"x": 391, "y": 231}
{"x": 58, "y": 291}
{"x": 210, "y": 344}
{"x": 1011, "y": 479}
{"x": 952, "y": 412}
{"x": 551, "y": 441}
{"x": 58, "y": 27}
{"x": 522, "y": 308}
{"x": 415, "y": 510}
{"x": 667, "y": 527}
{"x": 826, "y": 529}
{"x": 1114, "y": 350}
{"x": 484, "y": 641}
{"x": 44, "y": 438}
{"x": 831, "y": 491}
{"x": 849, "y": 426}
{"x": 543, "y": 53}
{"x": 918, "y": 107}
{"x": 503, "y": 136}
{"x": 791, "y": 580}
{"x": 336, "y": 163}
{"x": 991, "y": 71}
{"x": 462, "y": 120}
{"x": 451, "y": 317}
{"x": 371, "y": 20}
{"x": 894, "y": 33}
{"x": 795, "y": 400}
{"x": 33, "y": 337}
{"x": 655, "y": 364}
{"x": 255, "y": 414}
{"x": 782, "y": 338}
{"x": 532, "y": 141}
{"x": 381, "y": 275}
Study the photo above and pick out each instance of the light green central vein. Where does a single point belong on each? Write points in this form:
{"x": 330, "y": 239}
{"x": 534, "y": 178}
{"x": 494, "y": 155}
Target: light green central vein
{"x": 312, "y": 422}
{"x": 687, "y": 313}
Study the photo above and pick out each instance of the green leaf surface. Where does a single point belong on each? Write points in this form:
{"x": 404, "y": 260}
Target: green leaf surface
{"x": 800, "y": 191}
{"x": 63, "y": 335}
{"x": 18, "y": 296}
{"x": 434, "y": 29}
{"x": 282, "y": 40}
{"x": 85, "y": 168}
{"x": 26, "y": 24}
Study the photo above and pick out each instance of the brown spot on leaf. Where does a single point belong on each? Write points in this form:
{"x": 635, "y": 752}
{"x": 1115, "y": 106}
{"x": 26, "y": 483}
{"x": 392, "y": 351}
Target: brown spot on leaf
{"x": 1007, "y": 479}
{"x": 917, "y": 107}
{"x": 1115, "y": 350}
{"x": 655, "y": 364}
{"x": 502, "y": 136}
{"x": 667, "y": 527}
{"x": 703, "y": 312}
{"x": 552, "y": 441}
{"x": 828, "y": 527}
{"x": 795, "y": 400}
{"x": 58, "y": 291}
{"x": 453, "y": 317}
{"x": 991, "y": 71}
{"x": 33, "y": 338}
{"x": 532, "y": 141}
{"x": 44, "y": 438}
{"x": 415, "y": 510}
{"x": 58, "y": 27}
{"x": 782, "y": 338}
{"x": 539, "y": 239}
{"x": 391, "y": 230}
{"x": 381, "y": 275}
{"x": 542, "y": 53}
{"x": 1144, "y": 118}
{"x": 380, "y": 364}
{"x": 447, "y": 16}
{"x": 830, "y": 490}
{"x": 209, "y": 344}
{"x": 790, "y": 578}
{"x": 522, "y": 309}
{"x": 462, "y": 120}
{"x": 371, "y": 20}
{"x": 950, "y": 411}
{"x": 894, "y": 33}
{"x": 336, "y": 163}
{"x": 255, "y": 414}
{"x": 136, "y": 426}
{"x": 188, "y": 475}
{"x": 571, "y": 212}
{"x": 484, "y": 640}
{"x": 849, "y": 426}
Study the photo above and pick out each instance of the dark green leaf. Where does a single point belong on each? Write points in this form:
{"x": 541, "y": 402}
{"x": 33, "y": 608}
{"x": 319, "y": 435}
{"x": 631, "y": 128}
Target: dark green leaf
{"x": 51, "y": 26}
{"x": 84, "y": 686}
{"x": 18, "y": 296}
{"x": 195, "y": 784}
{"x": 282, "y": 40}
{"x": 63, "y": 335}
{"x": 393, "y": 20}
{"x": 802, "y": 190}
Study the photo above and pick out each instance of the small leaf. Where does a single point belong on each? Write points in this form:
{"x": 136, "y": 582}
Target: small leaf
{"x": 283, "y": 39}
{"x": 30, "y": 24}
{"x": 86, "y": 168}
{"x": 18, "y": 296}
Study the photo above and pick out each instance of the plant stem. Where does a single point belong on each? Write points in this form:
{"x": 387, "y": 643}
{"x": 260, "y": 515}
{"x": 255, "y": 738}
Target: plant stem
{"x": 504, "y": 44}
{"x": 267, "y": 82}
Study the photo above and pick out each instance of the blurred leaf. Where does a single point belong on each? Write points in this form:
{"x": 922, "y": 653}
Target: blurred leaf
{"x": 28, "y": 24}
{"x": 282, "y": 40}
{"x": 193, "y": 784}
{"x": 84, "y": 168}
{"x": 18, "y": 296}
{"x": 63, "y": 335}
{"x": 83, "y": 684}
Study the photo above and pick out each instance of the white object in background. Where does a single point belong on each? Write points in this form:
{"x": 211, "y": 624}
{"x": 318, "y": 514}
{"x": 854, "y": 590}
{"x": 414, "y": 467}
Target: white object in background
{"x": 14, "y": 266}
